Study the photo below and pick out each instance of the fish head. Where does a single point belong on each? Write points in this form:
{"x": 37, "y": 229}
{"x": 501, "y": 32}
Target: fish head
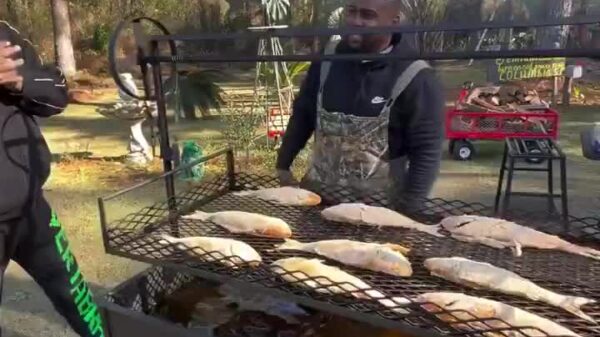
{"x": 294, "y": 263}
{"x": 444, "y": 300}
{"x": 435, "y": 265}
{"x": 308, "y": 198}
{"x": 453, "y": 223}
{"x": 443, "y": 265}
{"x": 391, "y": 261}
{"x": 458, "y": 306}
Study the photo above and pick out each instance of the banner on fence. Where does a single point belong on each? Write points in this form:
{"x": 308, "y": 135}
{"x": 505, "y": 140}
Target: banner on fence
{"x": 506, "y": 70}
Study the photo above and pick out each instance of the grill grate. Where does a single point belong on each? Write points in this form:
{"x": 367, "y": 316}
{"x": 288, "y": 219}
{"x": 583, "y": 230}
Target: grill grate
{"x": 136, "y": 236}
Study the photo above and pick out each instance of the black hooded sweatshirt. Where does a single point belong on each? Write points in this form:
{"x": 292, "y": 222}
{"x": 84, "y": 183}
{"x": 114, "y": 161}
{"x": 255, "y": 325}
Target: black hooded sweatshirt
{"x": 24, "y": 154}
{"x": 416, "y": 119}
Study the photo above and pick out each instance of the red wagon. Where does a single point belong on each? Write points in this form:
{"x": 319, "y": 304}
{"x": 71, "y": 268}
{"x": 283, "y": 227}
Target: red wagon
{"x": 463, "y": 127}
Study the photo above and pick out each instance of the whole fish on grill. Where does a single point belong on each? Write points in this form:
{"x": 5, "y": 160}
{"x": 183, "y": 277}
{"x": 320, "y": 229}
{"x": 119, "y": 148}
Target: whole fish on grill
{"x": 232, "y": 252}
{"x": 484, "y": 275}
{"x": 488, "y": 313}
{"x": 498, "y": 233}
{"x": 313, "y": 273}
{"x": 286, "y": 195}
{"x": 246, "y": 223}
{"x": 385, "y": 258}
{"x": 361, "y": 214}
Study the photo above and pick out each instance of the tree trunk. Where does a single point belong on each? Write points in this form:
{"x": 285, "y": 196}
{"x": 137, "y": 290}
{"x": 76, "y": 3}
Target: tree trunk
{"x": 314, "y": 20}
{"x": 63, "y": 44}
{"x": 556, "y": 36}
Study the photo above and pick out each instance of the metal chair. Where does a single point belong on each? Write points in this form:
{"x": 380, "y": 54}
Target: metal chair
{"x": 532, "y": 151}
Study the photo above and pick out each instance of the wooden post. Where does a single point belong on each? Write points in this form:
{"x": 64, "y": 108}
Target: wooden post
{"x": 567, "y": 91}
{"x": 555, "y": 91}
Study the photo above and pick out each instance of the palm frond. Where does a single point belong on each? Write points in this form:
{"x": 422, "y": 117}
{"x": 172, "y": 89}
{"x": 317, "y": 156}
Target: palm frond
{"x": 277, "y": 10}
{"x": 199, "y": 90}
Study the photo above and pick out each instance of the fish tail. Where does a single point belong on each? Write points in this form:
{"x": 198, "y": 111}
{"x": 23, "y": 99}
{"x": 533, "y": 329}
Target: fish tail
{"x": 583, "y": 251}
{"x": 290, "y": 244}
{"x": 198, "y": 215}
{"x": 433, "y": 230}
{"x": 243, "y": 193}
{"x": 573, "y": 305}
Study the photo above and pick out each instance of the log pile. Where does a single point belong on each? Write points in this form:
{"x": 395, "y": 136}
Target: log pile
{"x": 503, "y": 99}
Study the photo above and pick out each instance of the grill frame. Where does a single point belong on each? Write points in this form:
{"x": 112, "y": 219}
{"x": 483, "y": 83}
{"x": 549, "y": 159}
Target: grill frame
{"x": 129, "y": 237}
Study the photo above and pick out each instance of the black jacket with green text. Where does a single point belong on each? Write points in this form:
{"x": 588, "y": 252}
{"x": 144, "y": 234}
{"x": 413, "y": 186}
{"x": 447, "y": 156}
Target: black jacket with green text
{"x": 24, "y": 155}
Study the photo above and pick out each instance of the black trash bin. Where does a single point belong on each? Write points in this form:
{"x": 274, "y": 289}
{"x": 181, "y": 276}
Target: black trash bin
{"x": 128, "y": 309}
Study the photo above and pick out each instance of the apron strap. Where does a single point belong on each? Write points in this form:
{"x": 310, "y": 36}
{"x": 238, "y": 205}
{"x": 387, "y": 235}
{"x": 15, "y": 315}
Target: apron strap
{"x": 404, "y": 80}
{"x": 326, "y": 65}
{"x": 324, "y": 74}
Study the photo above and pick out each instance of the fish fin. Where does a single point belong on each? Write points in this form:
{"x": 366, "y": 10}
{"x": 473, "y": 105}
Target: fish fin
{"x": 198, "y": 215}
{"x": 484, "y": 241}
{"x": 579, "y": 250}
{"x": 516, "y": 248}
{"x": 573, "y": 305}
{"x": 290, "y": 244}
{"x": 398, "y": 248}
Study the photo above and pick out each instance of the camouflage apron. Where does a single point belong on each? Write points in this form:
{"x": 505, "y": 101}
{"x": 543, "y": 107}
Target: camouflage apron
{"x": 351, "y": 152}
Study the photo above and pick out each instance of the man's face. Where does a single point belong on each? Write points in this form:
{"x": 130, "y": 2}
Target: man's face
{"x": 370, "y": 13}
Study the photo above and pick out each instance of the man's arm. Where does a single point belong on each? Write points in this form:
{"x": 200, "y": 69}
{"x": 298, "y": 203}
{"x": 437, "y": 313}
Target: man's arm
{"x": 302, "y": 122}
{"x": 421, "y": 136}
{"x": 44, "y": 88}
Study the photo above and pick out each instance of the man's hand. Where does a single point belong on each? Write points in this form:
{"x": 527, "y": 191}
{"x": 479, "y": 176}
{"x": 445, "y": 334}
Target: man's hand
{"x": 286, "y": 178}
{"x": 9, "y": 76}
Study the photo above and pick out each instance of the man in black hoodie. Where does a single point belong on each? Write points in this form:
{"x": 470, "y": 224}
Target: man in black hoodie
{"x": 378, "y": 125}
{"x": 30, "y": 233}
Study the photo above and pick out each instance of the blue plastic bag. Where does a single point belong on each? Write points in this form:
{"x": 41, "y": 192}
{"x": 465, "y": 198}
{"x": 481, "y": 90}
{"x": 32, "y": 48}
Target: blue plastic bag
{"x": 590, "y": 142}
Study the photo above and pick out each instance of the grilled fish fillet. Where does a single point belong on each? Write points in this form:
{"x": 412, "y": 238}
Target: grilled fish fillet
{"x": 246, "y": 223}
{"x": 489, "y": 312}
{"x": 484, "y": 275}
{"x": 287, "y": 195}
{"x": 237, "y": 252}
{"x": 313, "y": 273}
{"x": 361, "y": 214}
{"x": 500, "y": 233}
{"x": 385, "y": 258}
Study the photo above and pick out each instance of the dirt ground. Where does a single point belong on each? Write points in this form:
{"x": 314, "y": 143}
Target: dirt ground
{"x": 76, "y": 184}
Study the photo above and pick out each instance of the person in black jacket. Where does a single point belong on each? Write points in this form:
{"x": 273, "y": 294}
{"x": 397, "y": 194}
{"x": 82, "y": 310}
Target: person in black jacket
{"x": 30, "y": 232}
{"x": 378, "y": 125}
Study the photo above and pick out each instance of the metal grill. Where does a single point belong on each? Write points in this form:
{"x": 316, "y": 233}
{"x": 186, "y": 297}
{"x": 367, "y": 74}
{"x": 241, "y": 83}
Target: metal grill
{"x": 137, "y": 236}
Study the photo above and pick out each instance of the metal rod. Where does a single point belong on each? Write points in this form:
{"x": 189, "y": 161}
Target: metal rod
{"x": 551, "y": 206}
{"x": 231, "y": 168}
{"x": 103, "y": 223}
{"x": 508, "y": 192}
{"x": 564, "y": 192}
{"x": 461, "y": 55}
{"x": 501, "y": 179}
{"x": 322, "y": 31}
{"x": 165, "y": 148}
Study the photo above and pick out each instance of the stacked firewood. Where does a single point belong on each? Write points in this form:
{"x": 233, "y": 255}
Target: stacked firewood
{"x": 503, "y": 99}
